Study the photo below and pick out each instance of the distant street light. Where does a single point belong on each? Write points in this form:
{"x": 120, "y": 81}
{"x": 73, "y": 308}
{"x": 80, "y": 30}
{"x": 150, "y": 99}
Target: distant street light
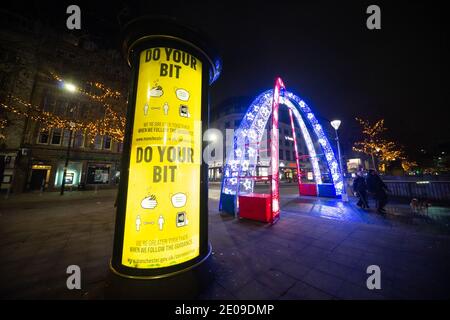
{"x": 69, "y": 87}
{"x": 336, "y": 124}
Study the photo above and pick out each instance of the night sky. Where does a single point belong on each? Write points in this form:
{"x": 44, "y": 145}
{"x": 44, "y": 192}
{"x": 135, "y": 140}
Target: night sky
{"x": 321, "y": 49}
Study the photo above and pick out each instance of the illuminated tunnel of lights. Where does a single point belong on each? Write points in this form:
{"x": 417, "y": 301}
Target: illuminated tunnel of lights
{"x": 240, "y": 167}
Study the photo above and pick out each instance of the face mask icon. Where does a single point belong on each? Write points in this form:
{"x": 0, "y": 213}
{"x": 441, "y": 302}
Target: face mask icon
{"x": 182, "y": 94}
{"x": 179, "y": 200}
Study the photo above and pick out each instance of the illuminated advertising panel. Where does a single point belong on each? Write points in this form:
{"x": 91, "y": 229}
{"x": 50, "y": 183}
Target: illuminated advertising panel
{"x": 162, "y": 220}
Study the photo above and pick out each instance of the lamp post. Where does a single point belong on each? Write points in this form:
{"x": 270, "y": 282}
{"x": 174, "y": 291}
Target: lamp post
{"x": 373, "y": 160}
{"x": 375, "y": 164}
{"x": 336, "y": 124}
{"x": 72, "y": 89}
{"x": 63, "y": 182}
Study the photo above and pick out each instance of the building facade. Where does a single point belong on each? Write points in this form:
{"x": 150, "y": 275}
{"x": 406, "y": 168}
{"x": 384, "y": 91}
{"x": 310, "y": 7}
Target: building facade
{"x": 35, "y": 64}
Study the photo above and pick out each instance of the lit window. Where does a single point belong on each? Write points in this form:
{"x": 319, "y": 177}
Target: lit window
{"x": 98, "y": 174}
{"x": 98, "y": 142}
{"x": 107, "y": 143}
{"x": 48, "y": 103}
{"x": 56, "y": 137}
{"x": 61, "y": 107}
{"x": 43, "y": 137}
{"x": 78, "y": 140}
{"x": 263, "y": 171}
{"x": 66, "y": 137}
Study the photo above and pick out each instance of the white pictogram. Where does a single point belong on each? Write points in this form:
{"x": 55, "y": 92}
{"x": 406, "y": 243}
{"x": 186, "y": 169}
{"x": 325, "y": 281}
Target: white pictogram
{"x": 156, "y": 92}
{"x": 145, "y": 109}
{"x": 184, "y": 111}
{"x": 182, "y": 94}
{"x": 138, "y": 223}
{"x": 179, "y": 200}
{"x": 149, "y": 202}
{"x": 161, "y": 222}
{"x": 182, "y": 219}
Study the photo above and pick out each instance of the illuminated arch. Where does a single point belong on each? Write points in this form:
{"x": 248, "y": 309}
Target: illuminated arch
{"x": 240, "y": 165}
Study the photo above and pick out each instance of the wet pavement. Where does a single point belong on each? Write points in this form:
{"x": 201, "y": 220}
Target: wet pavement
{"x": 320, "y": 249}
{"x": 435, "y": 219}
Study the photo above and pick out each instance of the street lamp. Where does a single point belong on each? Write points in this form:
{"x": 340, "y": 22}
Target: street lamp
{"x": 69, "y": 87}
{"x": 336, "y": 124}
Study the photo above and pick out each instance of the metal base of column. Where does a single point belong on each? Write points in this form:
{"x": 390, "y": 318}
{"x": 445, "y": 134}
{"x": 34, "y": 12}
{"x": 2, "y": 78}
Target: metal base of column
{"x": 183, "y": 284}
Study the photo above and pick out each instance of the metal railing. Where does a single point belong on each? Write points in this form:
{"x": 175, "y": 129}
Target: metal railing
{"x": 430, "y": 190}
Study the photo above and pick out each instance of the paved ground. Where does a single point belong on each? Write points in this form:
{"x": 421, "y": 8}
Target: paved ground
{"x": 320, "y": 249}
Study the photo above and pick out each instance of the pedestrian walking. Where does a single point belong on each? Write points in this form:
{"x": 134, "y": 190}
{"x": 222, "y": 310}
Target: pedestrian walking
{"x": 360, "y": 189}
{"x": 376, "y": 186}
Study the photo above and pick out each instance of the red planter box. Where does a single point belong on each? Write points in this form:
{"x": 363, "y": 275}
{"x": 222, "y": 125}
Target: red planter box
{"x": 256, "y": 206}
{"x": 308, "y": 189}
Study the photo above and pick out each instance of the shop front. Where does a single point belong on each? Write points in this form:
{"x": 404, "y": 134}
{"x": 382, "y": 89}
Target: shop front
{"x": 73, "y": 174}
{"x": 7, "y": 161}
{"x": 215, "y": 172}
{"x": 40, "y": 176}
{"x": 98, "y": 173}
{"x": 288, "y": 172}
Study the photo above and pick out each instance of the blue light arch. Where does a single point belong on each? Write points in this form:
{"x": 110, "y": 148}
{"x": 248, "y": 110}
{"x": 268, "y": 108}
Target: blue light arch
{"x": 240, "y": 165}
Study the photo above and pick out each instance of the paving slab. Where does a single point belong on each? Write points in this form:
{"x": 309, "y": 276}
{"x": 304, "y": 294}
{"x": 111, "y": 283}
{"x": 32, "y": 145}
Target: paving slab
{"x": 319, "y": 249}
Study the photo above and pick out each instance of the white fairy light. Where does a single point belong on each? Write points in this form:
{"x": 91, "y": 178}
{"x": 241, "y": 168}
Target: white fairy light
{"x": 245, "y": 165}
{"x": 247, "y": 184}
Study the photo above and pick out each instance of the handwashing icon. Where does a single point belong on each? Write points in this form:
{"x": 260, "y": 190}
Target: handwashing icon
{"x": 149, "y": 202}
{"x": 156, "y": 92}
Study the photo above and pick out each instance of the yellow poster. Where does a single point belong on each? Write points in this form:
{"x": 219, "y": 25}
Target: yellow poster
{"x": 163, "y": 201}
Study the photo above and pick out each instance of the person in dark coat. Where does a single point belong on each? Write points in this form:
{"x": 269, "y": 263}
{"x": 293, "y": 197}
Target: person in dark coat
{"x": 360, "y": 188}
{"x": 376, "y": 186}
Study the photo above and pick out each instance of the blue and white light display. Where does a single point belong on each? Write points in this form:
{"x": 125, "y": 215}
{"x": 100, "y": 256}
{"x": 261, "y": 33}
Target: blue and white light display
{"x": 240, "y": 165}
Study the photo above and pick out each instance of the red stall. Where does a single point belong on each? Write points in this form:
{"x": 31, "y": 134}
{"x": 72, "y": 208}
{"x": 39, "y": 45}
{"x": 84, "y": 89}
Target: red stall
{"x": 256, "y": 206}
{"x": 308, "y": 189}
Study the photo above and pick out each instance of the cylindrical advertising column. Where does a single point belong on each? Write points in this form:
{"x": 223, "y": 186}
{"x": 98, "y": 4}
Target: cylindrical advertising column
{"x": 162, "y": 206}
